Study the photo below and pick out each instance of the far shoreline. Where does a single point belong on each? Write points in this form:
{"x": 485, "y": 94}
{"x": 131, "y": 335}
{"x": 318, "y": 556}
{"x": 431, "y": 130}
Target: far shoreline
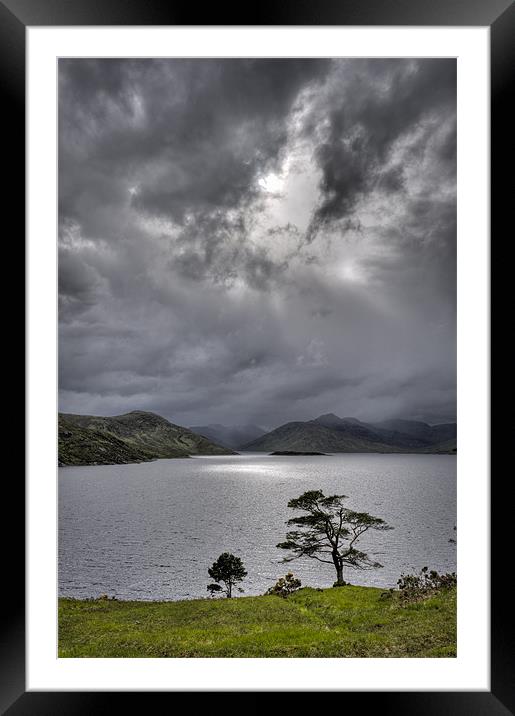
{"x": 243, "y": 453}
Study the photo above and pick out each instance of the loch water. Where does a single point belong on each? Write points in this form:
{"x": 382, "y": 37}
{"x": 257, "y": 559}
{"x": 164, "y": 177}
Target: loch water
{"x": 151, "y": 530}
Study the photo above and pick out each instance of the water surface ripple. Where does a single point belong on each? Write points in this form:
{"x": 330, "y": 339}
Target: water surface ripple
{"x": 151, "y": 530}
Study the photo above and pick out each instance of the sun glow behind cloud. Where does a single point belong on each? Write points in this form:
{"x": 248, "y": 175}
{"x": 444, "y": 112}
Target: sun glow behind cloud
{"x": 272, "y": 183}
{"x": 350, "y": 271}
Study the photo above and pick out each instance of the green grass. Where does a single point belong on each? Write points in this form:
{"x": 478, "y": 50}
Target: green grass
{"x": 339, "y": 622}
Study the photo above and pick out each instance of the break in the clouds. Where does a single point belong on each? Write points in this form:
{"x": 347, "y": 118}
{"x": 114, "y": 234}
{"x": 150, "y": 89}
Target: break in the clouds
{"x": 258, "y": 240}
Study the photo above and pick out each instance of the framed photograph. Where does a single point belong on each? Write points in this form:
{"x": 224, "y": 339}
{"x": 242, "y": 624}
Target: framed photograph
{"x": 258, "y": 300}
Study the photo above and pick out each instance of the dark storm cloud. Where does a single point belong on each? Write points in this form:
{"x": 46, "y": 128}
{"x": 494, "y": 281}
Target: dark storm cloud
{"x": 382, "y": 102}
{"x": 76, "y": 280}
{"x": 207, "y": 128}
{"x": 215, "y": 246}
{"x": 257, "y": 240}
{"x": 180, "y": 140}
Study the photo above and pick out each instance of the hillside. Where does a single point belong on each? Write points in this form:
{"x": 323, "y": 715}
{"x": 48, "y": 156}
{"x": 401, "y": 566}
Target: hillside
{"x": 432, "y": 434}
{"x": 448, "y": 447}
{"x": 134, "y": 437}
{"x": 344, "y": 622}
{"x": 312, "y": 437}
{"x": 329, "y": 433}
{"x": 230, "y": 436}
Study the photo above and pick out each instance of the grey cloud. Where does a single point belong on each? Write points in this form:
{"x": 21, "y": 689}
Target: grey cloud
{"x": 215, "y": 247}
{"x": 208, "y": 128}
{"x": 185, "y": 140}
{"x": 77, "y": 281}
{"x": 188, "y": 289}
{"x": 381, "y": 102}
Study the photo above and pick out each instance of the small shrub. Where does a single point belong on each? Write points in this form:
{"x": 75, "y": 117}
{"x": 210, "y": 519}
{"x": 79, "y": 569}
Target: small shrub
{"x": 285, "y": 586}
{"x": 387, "y": 595}
{"x": 214, "y": 589}
{"x": 414, "y": 587}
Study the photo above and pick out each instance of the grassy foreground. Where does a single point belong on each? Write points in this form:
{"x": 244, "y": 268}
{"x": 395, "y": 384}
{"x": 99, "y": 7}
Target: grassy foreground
{"x": 339, "y": 622}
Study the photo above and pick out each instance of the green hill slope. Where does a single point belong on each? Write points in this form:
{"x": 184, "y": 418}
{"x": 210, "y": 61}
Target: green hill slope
{"x": 342, "y": 622}
{"x": 134, "y": 437}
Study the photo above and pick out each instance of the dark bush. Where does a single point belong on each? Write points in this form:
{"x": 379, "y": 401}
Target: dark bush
{"x": 413, "y": 587}
{"x": 285, "y": 586}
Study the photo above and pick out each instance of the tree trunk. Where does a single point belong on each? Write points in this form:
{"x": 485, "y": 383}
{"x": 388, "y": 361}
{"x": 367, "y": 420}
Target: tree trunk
{"x": 339, "y": 575}
{"x": 338, "y": 565}
{"x": 229, "y": 590}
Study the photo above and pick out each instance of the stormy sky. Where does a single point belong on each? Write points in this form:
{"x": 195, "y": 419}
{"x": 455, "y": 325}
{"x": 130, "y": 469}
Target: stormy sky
{"x": 258, "y": 240}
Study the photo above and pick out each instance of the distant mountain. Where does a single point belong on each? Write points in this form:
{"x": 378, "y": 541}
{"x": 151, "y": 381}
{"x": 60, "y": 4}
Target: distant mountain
{"x": 405, "y": 434}
{"x": 420, "y": 430}
{"x": 134, "y": 437}
{"x": 330, "y": 433}
{"x": 230, "y": 436}
{"x": 330, "y": 420}
{"x": 313, "y": 437}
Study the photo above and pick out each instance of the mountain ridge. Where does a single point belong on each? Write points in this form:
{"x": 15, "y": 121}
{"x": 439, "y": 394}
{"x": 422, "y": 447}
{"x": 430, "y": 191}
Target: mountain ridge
{"x": 230, "y": 436}
{"x": 330, "y": 433}
{"x": 138, "y": 436}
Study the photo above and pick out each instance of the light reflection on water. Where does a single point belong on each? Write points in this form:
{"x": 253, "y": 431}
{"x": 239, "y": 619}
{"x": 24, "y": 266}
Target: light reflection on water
{"x": 151, "y": 530}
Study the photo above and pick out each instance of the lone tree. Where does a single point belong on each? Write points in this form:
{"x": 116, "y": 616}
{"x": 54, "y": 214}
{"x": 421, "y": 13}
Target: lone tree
{"x": 328, "y": 532}
{"x": 229, "y": 570}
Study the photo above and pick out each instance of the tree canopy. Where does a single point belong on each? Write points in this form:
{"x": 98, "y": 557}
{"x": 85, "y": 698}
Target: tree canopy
{"x": 328, "y": 532}
{"x": 227, "y": 569}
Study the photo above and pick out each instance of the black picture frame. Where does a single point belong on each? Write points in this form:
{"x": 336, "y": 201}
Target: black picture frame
{"x": 499, "y": 16}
